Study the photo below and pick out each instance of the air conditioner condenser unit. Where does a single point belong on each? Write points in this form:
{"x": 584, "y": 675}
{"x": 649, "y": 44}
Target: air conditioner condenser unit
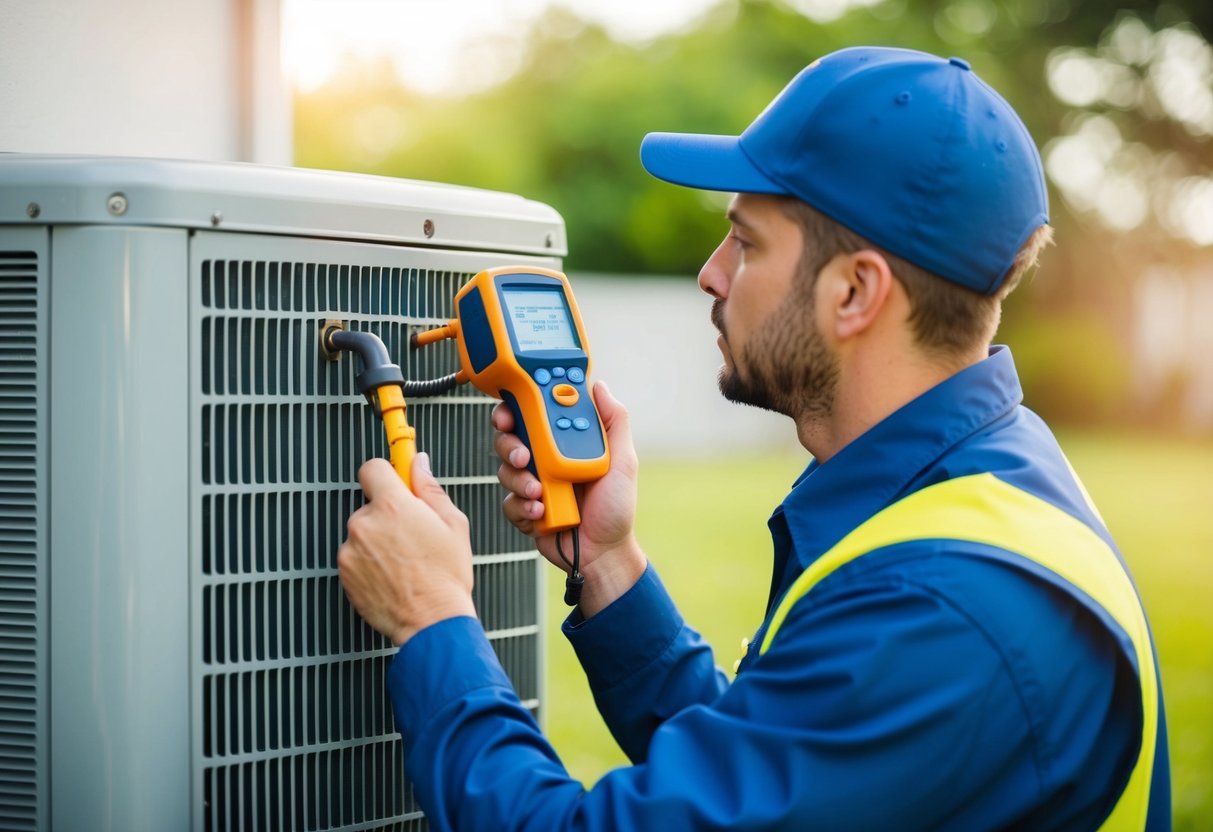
{"x": 177, "y": 463}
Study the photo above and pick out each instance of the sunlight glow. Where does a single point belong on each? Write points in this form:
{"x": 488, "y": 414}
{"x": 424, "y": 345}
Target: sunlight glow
{"x": 826, "y": 11}
{"x": 1075, "y": 79}
{"x": 429, "y": 42}
{"x": 1077, "y": 162}
{"x": 1192, "y": 209}
{"x": 1131, "y": 42}
{"x": 1164, "y": 74}
{"x": 437, "y": 46}
{"x": 1181, "y": 75}
{"x": 1097, "y": 171}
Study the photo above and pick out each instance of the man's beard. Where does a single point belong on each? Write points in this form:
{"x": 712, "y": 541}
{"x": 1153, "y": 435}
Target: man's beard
{"x": 786, "y": 366}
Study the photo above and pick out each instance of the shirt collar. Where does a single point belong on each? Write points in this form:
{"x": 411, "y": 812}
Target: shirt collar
{"x": 829, "y": 500}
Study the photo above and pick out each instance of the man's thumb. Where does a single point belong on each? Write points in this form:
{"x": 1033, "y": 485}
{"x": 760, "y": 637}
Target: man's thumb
{"x": 614, "y": 414}
{"x": 428, "y": 490}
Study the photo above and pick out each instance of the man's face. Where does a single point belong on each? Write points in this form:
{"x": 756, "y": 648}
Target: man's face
{"x": 774, "y": 355}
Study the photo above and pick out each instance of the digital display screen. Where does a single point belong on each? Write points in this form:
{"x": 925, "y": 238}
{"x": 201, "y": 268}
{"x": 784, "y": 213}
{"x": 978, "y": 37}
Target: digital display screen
{"x": 540, "y": 319}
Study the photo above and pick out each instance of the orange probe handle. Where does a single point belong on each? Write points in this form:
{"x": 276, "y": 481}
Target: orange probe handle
{"x": 438, "y": 333}
{"x": 401, "y": 437}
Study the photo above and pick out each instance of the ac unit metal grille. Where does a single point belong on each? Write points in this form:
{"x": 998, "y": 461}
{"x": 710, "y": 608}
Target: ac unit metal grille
{"x": 292, "y": 718}
{"x": 21, "y": 622}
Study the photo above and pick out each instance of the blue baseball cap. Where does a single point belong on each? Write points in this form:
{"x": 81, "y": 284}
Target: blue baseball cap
{"x": 912, "y": 151}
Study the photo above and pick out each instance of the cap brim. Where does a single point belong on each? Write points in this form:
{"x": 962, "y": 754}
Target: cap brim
{"x": 711, "y": 163}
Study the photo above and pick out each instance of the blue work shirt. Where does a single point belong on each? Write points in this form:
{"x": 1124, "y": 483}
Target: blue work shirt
{"x": 923, "y": 688}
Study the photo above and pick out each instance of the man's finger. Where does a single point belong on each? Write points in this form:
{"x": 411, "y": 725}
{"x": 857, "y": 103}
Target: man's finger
{"x": 520, "y": 481}
{"x": 502, "y": 418}
{"x": 522, "y": 512}
{"x": 379, "y": 479}
{"x": 510, "y": 448}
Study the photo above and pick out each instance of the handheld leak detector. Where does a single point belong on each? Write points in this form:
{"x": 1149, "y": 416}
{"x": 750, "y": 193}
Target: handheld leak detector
{"x": 520, "y": 339}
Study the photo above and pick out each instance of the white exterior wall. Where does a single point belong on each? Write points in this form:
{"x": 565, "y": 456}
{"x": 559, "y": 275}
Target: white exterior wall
{"x": 163, "y": 78}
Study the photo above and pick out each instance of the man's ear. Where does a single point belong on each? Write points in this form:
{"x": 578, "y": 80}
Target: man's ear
{"x": 861, "y": 285}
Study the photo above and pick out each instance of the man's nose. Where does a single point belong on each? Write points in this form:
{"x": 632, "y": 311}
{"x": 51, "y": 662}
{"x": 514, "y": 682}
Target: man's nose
{"x": 714, "y": 276}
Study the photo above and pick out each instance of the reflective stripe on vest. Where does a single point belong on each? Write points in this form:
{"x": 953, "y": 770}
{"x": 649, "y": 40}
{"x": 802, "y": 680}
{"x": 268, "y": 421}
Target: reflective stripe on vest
{"x": 984, "y": 509}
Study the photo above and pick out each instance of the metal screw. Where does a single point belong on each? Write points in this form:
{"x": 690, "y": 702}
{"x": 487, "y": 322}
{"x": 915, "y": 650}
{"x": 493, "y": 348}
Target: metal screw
{"x": 33, "y": 210}
{"x": 427, "y": 228}
{"x": 116, "y": 204}
{"x": 216, "y": 218}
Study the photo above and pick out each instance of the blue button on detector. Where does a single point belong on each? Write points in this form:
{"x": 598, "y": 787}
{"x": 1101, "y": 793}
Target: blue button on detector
{"x": 558, "y": 372}
{"x": 565, "y": 424}
{"x": 576, "y": 375}
{"x": 542, "y": 376}
{"x": 581, "y": 424}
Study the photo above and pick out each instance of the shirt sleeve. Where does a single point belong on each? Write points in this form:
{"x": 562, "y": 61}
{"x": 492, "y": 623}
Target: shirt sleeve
{"x": 643, "y": 663}
{"x": 885, "y": 708}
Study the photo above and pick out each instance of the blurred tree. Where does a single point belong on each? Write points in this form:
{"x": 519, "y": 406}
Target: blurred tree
{"x": 566, "y": 126}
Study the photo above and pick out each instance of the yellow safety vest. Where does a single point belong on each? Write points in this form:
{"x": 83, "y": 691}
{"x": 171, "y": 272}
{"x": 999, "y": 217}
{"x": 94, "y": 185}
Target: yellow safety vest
{"x": 983, "y": 509}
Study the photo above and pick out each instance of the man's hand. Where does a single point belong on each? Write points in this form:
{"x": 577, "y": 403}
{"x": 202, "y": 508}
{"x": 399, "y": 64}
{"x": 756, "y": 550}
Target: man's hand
{"x": 407, "y": 562}
{"x": 611, "y": 560}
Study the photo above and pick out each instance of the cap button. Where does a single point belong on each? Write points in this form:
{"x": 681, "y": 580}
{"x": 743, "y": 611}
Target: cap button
{"x": 960, "y": 62}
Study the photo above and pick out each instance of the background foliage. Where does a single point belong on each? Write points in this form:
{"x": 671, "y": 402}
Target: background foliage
{"x": 565, "y": 129}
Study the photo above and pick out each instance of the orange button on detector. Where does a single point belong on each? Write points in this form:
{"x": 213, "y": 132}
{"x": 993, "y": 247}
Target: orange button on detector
{"x": 565, "y": 394}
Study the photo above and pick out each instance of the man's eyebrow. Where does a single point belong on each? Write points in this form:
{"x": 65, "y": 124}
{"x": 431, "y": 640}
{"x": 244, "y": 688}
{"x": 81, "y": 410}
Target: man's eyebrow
{"x": 734, "y": 216}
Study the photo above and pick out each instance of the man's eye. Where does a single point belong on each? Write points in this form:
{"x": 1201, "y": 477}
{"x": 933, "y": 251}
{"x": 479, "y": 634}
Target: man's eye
{"x": 741, "y": 242}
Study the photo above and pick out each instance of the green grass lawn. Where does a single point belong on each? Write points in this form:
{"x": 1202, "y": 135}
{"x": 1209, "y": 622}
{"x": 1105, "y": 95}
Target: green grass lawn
{"x": 703, "y": 524}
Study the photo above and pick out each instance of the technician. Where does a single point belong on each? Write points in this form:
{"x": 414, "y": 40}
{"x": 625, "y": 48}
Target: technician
{"x": 951, "y": 641}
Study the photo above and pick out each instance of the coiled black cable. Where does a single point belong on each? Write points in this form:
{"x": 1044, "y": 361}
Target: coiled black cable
{"x": 575, "y": 581}
{"x": 377, "y": 364}
{"x": 431, "y": 387}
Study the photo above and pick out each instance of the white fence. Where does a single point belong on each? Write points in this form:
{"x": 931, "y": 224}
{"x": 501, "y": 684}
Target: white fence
{"x": 652, "y": 341}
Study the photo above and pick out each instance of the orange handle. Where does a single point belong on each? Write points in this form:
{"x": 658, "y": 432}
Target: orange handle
{"x": 440, "y": 333}
{"x": 400, "y": 436}
{"x": 560, "y": 510}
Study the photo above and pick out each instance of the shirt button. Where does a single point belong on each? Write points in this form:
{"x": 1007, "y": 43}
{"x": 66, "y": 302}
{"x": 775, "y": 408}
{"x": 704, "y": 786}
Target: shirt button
{"x": 745, "y": 649}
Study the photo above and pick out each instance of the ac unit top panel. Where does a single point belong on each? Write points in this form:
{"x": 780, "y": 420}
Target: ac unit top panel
{"x": 91, "y": 190}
